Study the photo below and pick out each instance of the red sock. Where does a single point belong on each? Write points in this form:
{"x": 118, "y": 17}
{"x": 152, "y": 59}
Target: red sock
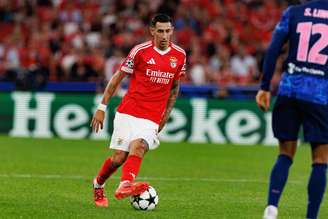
{"x": 106, "y": 171}
{"x": 131, "y": 168}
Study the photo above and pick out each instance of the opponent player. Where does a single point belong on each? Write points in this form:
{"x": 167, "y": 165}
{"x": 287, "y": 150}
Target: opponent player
{"x": 155, "y": 68}
{"x": 302, "y": 98}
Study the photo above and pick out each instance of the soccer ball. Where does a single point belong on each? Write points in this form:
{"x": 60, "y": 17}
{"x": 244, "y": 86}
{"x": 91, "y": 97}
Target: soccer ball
{"x": 146, "y": 201}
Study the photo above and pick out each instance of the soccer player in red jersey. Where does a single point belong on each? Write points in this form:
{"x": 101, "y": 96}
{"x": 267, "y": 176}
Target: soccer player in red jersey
{"x": 155, "y": 68}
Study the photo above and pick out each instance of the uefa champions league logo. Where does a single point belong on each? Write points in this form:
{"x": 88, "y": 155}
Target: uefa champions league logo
{"x": 129, "y": 63}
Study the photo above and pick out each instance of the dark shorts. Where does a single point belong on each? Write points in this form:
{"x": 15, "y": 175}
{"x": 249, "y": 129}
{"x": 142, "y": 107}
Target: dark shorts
{"x": 289, "y": 114}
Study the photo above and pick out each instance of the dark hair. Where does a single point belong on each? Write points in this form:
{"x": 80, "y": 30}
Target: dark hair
{"x": 163, "y": 18}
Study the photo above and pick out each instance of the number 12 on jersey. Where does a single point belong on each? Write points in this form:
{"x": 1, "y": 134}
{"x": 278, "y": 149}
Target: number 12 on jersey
{"x": 312, "y": 55}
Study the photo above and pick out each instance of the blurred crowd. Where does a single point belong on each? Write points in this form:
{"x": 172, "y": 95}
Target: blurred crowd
{"x": 86, "y": 40}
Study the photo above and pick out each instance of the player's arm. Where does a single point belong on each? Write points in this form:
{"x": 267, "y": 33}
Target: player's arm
{"x": 279, "y": 38}
{"x": 98, "y": 118}
{"x": 170, "y": 103}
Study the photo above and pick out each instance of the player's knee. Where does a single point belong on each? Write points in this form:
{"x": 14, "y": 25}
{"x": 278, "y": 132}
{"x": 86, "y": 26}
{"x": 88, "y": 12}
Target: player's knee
{"x": 288, "y": 148}
{"x": 139, "y": 147}
{"x": 118, "y": 158}
{"x": 319, "y": 153}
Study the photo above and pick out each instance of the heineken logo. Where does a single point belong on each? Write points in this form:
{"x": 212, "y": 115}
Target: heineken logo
{"x": 47, "y": 115}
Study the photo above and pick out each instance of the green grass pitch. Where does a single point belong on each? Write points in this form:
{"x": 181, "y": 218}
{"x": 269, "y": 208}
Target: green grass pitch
{"x": 51, "y": 178}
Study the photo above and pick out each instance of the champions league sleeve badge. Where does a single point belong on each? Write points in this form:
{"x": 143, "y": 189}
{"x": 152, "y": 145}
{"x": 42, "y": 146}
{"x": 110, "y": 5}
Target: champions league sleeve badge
{"x": 129, "y": 63}
{"x": 173, "y": 62}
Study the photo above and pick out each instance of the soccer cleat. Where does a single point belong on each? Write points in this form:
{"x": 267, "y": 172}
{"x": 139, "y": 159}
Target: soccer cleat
{"x": 126, "y": 189}
{"x": 270, "y": 212}
{"x": 100, "y": 198}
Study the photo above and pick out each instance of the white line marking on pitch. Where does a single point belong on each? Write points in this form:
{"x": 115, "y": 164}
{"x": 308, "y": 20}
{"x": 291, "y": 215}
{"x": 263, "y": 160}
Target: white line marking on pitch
{"x": 172, "y": 179}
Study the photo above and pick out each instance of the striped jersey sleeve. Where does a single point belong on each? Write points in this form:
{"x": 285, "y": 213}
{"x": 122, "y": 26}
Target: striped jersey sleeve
{"x": 129, "y": 64}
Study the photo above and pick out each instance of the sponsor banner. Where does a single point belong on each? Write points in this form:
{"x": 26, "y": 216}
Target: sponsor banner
{"x": 47, "y": 115}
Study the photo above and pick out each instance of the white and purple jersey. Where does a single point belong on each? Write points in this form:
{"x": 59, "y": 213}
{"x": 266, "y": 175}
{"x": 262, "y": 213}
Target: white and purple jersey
{"x": 305, "y": 71}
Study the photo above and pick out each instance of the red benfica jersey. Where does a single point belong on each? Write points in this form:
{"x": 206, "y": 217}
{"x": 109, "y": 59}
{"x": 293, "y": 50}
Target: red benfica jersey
{"x": 152, "y": 73}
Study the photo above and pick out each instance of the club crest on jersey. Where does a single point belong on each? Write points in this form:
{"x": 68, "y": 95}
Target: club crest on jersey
{"x": 129, "y": 63}
{"x": 119, "y": 141}
{"x": 173, "y": 61}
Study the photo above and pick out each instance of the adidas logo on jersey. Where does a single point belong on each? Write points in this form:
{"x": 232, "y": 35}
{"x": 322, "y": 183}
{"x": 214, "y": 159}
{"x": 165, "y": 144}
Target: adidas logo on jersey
{"x": 151, "y": 61}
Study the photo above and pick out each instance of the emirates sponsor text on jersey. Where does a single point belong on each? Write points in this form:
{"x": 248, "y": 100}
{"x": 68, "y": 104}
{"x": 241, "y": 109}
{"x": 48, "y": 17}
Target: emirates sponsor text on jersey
{"x": 160, "y": 77}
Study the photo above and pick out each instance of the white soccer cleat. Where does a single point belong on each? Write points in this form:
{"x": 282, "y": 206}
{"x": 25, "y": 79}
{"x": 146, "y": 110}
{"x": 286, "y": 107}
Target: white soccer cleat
{"x": 270, "y": 212}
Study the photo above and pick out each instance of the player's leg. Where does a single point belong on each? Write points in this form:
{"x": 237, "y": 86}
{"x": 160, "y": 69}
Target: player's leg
{"x": 280, "y": 171}
{"x": 279, "y": 176}
{"x": 318, "y": 179}
{"x": 108, "y": 168}
{"x": 131, "y": 167}
{"x": 143, "y": 138}
{"x": 316, "y": 132}
{"x": 287, "y": 133}
{"x": 130, "y": 170}
{"x": 120, "y": 145}
{"x": 110, "y": 165}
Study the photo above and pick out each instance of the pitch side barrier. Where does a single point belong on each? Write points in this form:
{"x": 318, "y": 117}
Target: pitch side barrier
{"x": 67, "y": 115}
{"x": 186, "y": 90}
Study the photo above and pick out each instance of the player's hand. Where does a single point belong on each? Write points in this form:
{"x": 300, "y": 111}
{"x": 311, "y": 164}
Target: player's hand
{"x": 98, "y": 120}
{"x": 263, "y": 100}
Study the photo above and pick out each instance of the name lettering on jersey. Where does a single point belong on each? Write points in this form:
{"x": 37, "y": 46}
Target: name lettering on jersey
{"x": 173, "y": 61}
{"x": 292, "y": 68}
{"x": 159, "y": 77}
{"x": 319, "y": 13}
